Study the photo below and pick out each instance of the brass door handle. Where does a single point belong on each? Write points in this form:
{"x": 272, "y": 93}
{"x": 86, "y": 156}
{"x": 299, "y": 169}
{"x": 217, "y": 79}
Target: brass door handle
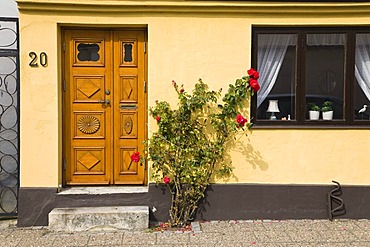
{"x": 105, "y": 102}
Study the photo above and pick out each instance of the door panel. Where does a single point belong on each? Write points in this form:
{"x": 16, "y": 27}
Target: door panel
{"x": 129, "y": 105}
{"x": 104, "y": 106}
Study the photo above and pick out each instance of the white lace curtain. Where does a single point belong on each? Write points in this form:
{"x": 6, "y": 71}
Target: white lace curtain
{"x": 326, "y": 39}
{"x": 271, "y": 53}
{"x": 362, "y": 65}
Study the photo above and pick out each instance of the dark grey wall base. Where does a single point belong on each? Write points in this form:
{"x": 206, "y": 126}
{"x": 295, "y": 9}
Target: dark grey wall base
{"x": 223, "y": 202}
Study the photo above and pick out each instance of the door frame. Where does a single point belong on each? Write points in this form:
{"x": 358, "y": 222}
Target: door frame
{"x": 63, "y": 91}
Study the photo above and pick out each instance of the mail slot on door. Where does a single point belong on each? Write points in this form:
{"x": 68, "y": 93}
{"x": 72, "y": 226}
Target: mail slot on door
{"x": 128, "y": 107}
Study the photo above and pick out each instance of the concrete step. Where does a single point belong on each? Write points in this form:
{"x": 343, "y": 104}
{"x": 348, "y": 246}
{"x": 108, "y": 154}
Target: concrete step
{"x": 90, "y": 218}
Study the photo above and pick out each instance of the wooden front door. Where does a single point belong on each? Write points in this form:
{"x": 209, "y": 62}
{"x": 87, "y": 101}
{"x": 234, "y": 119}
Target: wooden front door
{"x": 104, "y": 106}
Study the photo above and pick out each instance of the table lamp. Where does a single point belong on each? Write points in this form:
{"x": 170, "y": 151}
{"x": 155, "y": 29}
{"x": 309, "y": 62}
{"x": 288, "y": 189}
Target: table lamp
{"x": 273, "y": 107}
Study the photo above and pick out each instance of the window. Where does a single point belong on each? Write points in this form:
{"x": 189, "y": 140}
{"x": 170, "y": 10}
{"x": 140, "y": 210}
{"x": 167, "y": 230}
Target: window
{"x": 305, "y": 67}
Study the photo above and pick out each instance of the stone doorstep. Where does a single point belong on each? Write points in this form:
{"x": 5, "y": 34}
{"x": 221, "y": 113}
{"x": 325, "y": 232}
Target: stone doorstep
{"x": 90, "y": 218}
{"x": 99, "y": 190}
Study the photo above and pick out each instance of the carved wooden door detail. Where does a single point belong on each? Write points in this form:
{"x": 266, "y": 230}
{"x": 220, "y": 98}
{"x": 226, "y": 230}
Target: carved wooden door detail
{"x": 105, "y": 106}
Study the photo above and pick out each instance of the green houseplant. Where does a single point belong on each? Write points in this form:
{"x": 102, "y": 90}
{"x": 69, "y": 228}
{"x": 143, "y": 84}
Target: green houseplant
{"x": 314, "y": 111}
{"x": 188, "y": 149}
{"x": 327, "y": 110}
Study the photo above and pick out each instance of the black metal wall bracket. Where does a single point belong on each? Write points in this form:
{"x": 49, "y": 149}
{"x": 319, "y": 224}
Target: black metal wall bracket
{"x": 335, "y": 203}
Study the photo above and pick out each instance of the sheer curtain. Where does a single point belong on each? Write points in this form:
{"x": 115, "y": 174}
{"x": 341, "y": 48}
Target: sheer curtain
{"x": 324, "y": 39}
{"x": 272, "y": 49}
{"x": 362, "y": 65}
{"x": 271, "y": 53}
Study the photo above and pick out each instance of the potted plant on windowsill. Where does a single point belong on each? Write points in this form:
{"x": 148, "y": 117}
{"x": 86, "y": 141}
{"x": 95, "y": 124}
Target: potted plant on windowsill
{"x": 327, "y": 110}
{"x": 314, "y": 111}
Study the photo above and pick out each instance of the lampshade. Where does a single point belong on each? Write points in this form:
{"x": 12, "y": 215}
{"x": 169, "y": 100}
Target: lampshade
{"x": 273, "y": 106}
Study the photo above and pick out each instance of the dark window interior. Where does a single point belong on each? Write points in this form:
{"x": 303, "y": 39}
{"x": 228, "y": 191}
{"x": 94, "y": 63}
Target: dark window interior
{"x": 314, "y": 73}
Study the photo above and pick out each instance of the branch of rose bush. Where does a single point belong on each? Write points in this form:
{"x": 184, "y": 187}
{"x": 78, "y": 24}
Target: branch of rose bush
{"x": 252, "y": 86}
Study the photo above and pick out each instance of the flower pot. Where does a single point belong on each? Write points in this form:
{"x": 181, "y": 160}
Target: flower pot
{"x": 314, "y": 115}
{"x": 328, "y": 115}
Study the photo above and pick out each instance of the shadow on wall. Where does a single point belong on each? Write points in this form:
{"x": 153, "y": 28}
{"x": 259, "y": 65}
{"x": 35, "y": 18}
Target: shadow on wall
{"x": 253, "y": 157}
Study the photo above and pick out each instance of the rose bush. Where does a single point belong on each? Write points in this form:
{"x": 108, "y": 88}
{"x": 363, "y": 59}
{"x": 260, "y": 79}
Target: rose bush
{"x": 188, "y": 148}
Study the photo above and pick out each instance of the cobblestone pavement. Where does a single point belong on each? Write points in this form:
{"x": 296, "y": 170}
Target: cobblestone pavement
{"x": 213, "y": 233}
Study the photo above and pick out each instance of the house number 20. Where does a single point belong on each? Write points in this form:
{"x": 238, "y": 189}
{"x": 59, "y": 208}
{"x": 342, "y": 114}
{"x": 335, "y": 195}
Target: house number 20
{"x": 34, "y": 59}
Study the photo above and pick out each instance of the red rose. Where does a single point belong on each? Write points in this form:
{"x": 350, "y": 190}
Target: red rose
{"x": 254, "y": 84}
{"x": 166, "y": 180}
{"x": 253, "y": 73}
{"x": 135, "y": 157}
{"x": 182, "y": 90}
{"x": 158, "y": 118}
{"x": 241, "y": 120}
{"x": 173, "y": 82}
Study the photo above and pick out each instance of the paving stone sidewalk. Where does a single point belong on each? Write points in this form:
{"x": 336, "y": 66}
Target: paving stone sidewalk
{"x": 213, "y": 233}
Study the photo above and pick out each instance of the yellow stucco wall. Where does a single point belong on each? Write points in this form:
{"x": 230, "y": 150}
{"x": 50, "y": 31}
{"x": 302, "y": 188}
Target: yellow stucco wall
{"x": 184, "y": 46}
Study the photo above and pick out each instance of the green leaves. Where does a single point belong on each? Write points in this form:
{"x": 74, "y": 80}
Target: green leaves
{"x": 189, "y": 144}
